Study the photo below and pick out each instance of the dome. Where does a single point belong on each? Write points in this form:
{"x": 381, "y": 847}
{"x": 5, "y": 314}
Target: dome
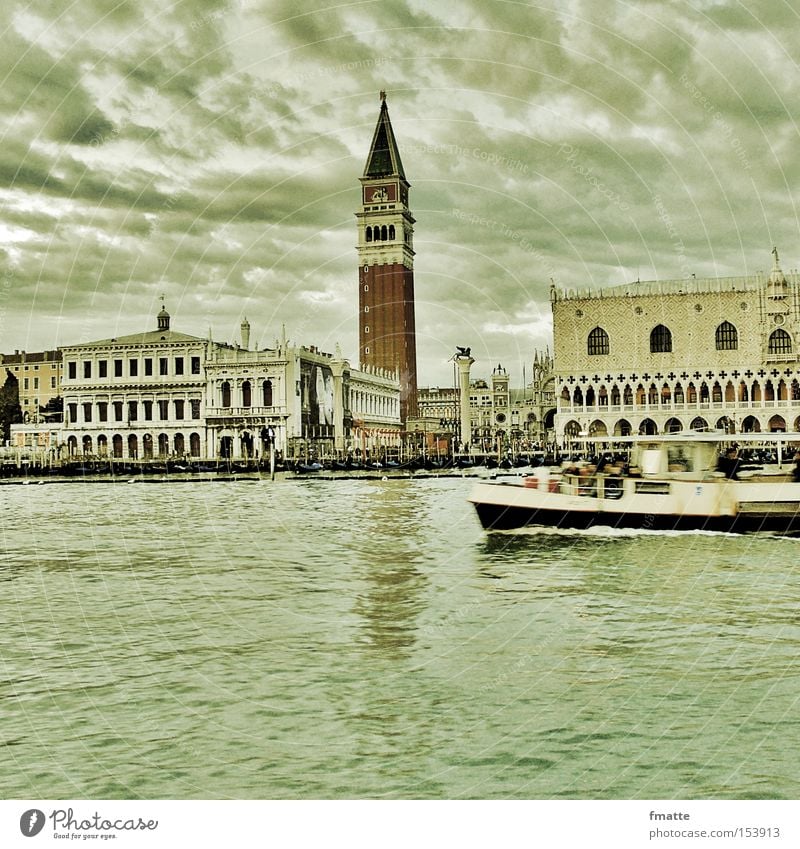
{"x": 163, "y": 319}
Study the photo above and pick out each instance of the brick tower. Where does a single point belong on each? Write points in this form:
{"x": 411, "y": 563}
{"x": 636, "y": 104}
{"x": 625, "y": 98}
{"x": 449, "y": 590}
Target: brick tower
{"x": 386, "y": 331}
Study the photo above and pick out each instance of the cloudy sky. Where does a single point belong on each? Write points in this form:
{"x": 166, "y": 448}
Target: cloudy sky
{"x": 210, "y": 151}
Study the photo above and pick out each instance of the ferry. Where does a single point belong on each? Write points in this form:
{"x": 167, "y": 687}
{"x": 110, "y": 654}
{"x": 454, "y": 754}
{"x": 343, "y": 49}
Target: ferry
{"x": 681, "y": 481}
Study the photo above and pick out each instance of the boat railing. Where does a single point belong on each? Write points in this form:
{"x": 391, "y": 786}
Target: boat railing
{"x": 590, "y": 485}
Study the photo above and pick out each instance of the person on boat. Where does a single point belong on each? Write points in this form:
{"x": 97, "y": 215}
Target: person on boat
{"x": 729, "y": 464}
{"x": 602, "y": 463}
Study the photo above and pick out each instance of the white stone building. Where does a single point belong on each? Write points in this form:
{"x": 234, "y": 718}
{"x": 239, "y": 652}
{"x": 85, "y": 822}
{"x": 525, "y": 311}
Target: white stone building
{"x": 136, "y": 397}
{"x": 165, "y": 394}
{"x": 373, "y": 401}
{"x": 665, "y": 356}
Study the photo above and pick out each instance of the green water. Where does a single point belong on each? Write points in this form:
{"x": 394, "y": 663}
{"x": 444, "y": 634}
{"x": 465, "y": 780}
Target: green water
{"x": 367, "y": 639}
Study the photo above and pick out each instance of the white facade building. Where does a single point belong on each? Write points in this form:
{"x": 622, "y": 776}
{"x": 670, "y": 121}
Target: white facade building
{"x": 164, "y": 394}
{"x": 136, "y": 397}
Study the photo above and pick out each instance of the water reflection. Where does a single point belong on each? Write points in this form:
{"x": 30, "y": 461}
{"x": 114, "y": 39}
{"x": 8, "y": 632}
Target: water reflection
{"x": 391, "y": 604}
{"x": 387, "y": 565}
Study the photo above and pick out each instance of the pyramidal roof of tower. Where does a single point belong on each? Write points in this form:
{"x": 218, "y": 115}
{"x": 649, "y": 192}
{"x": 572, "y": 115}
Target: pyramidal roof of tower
{"x": 384, "y": 156}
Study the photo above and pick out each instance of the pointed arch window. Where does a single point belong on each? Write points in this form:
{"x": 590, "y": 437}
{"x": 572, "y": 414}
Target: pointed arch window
{"x": 726, "y": 337}
{"x": 660, "y": 340}
{"x": 779, "y": 342}
{"x": 597, "y": 342}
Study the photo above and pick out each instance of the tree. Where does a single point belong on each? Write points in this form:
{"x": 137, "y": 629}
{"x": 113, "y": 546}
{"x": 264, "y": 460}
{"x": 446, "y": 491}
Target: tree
{"x": 10, "y": 410}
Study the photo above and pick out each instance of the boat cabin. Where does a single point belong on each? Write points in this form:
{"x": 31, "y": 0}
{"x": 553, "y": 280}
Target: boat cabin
{"x": 686, "y": 456}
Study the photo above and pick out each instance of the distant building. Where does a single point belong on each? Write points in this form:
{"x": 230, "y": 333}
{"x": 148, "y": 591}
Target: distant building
{"x": 501, "y": 418}
{"x": 39, "y": 376}
{"x": 137, "y": 396}
{"x": 374, "y": 404}
{"x": 310, "y": 402}
{"x": 665, "y": 356}
{"x": 165, "y": 394}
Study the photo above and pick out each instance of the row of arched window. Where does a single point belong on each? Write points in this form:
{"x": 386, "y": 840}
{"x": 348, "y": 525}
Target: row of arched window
{"x": 380, "y": 234}
{"x": 247, "y": 394}
{"x": 726, "y": 338}
{"x": 622, "y": 427}
{"x": 146, "y": 449}
{"x": 705, "y": 393}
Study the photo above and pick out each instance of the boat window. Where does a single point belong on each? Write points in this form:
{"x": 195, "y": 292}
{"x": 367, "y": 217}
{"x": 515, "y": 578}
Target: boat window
{"x": 679, "y": 459}
{"x": 652, "y": 488}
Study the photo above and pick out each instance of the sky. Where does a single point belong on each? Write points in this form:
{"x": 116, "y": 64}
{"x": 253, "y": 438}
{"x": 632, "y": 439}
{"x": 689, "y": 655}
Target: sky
{"x": 209, "y": 151}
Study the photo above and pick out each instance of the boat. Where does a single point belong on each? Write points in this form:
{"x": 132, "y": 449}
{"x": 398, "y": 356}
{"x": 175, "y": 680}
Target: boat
{"x": 307, "y": 468}
{"x": 680, "y": 481}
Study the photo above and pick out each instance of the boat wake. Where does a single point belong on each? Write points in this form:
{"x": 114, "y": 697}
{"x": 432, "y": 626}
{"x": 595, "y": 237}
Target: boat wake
{"x": 605, "y": 532}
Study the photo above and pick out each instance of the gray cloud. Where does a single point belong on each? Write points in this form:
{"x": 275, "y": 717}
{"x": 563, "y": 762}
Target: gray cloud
{"x": 211, "y": 151}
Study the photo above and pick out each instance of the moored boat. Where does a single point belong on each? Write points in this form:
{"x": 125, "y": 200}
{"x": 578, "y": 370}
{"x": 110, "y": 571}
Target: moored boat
{"x": 675, "y": 482}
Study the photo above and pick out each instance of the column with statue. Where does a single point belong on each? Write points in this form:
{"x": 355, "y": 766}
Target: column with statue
{"x": 464, "y": 362}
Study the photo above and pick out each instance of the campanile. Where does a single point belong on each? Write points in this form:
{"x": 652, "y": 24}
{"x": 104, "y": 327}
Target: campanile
{"x": 386, "y": 328}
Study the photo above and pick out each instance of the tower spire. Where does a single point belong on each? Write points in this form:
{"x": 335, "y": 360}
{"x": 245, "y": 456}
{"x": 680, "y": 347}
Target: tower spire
{"x": 384, "y": 155}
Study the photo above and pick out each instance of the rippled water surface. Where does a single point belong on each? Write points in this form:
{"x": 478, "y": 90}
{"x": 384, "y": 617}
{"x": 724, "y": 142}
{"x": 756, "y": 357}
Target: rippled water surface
{"x": 306, "y": 639}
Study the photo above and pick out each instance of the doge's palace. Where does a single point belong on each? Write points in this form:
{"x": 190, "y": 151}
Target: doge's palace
{"x": 665, "y": 356}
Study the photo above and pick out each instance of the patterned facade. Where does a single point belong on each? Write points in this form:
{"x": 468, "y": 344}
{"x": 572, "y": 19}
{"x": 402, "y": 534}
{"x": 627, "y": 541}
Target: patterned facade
{"x": 672, "y": 355}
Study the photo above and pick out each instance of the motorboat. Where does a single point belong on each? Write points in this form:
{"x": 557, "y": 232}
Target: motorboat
{"x": 680, "y": 481}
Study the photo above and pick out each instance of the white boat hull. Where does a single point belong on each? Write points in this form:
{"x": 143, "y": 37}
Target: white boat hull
{"x": 718, "y": 505}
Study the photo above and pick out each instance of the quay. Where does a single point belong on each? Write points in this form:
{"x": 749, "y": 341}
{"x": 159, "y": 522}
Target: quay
{"x": 103, "y": 471}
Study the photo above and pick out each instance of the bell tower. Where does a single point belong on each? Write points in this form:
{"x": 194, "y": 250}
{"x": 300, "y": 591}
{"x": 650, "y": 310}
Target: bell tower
{"x": 386, "y": 327}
